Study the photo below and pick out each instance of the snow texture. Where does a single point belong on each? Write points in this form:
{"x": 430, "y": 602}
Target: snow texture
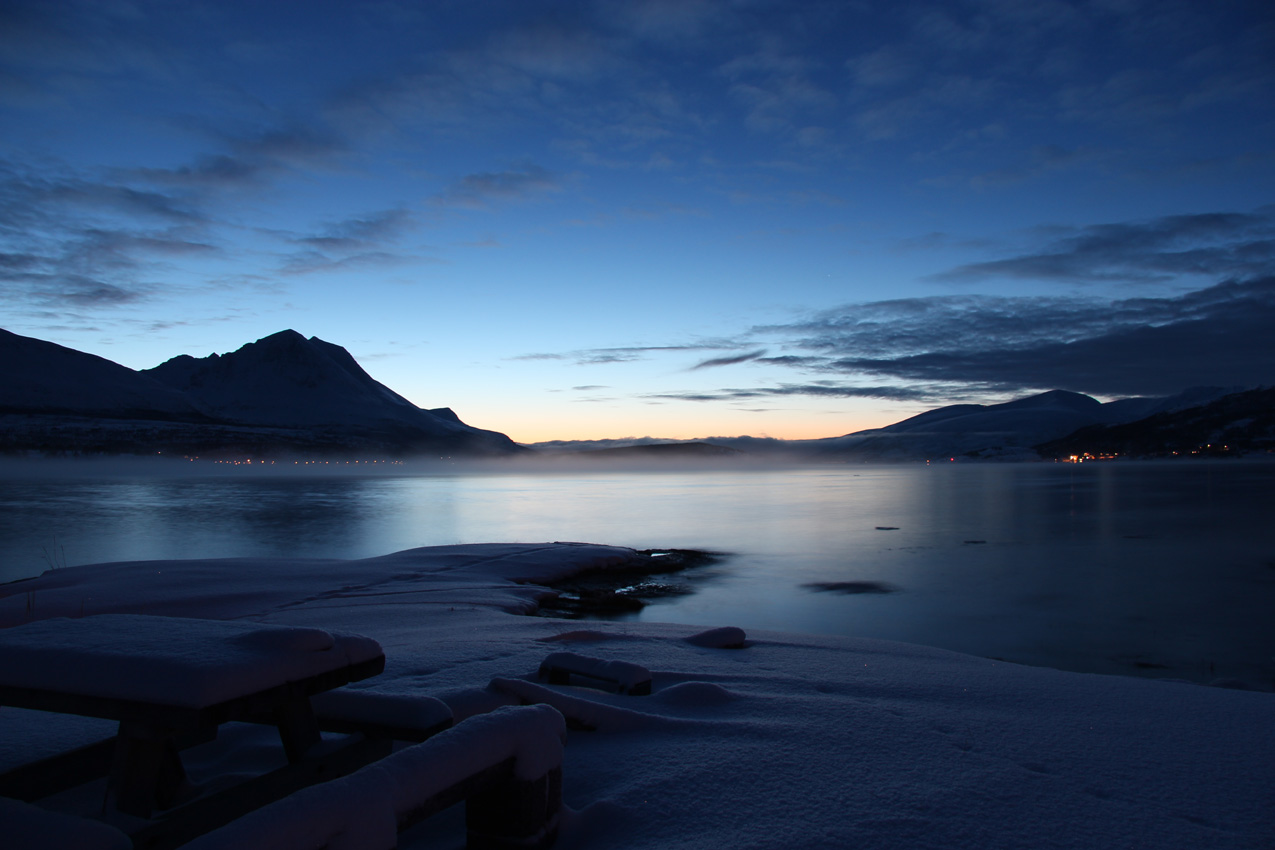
{"x": 725, "y": 637}
{"x": 628, "y": 677}
{"x": 791, "y": 741}
{"x": 354, "y": 812}
{"x": 363, "y": 706}
{"x": 533, "y": 736}
{"x": 169, "y": 660}
{"x": 361, "y": 811}
{"x": 28, "y": 827}
{"x": 583, "y": 712}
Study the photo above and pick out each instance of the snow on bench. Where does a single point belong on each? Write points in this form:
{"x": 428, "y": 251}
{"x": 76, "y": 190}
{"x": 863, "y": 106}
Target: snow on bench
{"x": 559, "y": 667}
{"x": 400, "y": 717}
{"x": 170, "y": 660}
{"x": 506, "y": 766}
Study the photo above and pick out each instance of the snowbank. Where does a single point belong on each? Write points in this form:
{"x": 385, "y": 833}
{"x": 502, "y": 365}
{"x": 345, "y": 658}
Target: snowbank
{"x": 789, "y": 740}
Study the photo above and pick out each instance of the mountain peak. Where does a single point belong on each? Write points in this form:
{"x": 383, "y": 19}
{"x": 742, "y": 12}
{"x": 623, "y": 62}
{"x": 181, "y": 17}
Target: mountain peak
{"x": 284, "y": 337}
{"x": 283, "y": 391}
{"x": 286, "y": 379}
{"x": 1056, "y": 399}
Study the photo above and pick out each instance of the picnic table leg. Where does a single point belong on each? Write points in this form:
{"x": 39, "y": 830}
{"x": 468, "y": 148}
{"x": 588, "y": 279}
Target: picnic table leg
{"x": 147, "y": 770}
{"x": 298, "y": 728}
{"x": 515, "y": 814}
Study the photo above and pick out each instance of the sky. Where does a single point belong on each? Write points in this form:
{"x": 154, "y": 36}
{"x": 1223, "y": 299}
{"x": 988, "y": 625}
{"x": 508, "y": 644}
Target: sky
{"x": 676, "y": 218}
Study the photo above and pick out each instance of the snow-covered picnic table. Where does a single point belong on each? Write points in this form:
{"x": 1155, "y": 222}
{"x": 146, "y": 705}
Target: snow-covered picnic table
{"x": 171, "y": 681}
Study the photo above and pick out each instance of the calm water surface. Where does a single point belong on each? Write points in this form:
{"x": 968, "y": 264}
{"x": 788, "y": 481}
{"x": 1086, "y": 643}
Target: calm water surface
{"x": 1141, "y": 569}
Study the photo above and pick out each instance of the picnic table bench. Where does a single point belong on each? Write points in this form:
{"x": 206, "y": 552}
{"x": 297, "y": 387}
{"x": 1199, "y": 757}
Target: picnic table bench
{"x": 170, "y": 682}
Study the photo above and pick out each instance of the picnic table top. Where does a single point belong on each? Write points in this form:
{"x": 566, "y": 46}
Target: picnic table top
{"x": 175, "y": 661}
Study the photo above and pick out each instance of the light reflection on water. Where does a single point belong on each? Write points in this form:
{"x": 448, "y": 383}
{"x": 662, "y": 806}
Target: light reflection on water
{"x": 1151, "y": 569}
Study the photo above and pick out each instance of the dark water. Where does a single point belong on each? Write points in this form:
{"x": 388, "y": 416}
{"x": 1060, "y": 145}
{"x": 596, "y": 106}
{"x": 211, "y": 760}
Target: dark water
{"x": 1142, "y": 569}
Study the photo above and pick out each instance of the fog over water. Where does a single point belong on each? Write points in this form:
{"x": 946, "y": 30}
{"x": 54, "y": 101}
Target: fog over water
{"x": 1159, "y": 569}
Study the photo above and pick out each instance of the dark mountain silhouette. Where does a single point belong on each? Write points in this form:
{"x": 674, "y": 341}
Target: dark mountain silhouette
{"x": 1238, "y": 423}
{"x": 283, "y": 393}
{"x": 1009, "y": 431}
{"x": 286, "y": 394}
{"x": 43, "y": 377}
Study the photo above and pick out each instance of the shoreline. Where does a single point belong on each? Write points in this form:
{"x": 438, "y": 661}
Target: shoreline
{"x": 860, "y": 742}
{"x": 603, "y": 594}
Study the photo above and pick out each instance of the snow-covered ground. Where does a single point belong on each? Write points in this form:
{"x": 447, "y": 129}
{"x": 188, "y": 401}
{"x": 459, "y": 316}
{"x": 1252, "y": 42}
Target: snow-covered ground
{"x": 788, "y": 741}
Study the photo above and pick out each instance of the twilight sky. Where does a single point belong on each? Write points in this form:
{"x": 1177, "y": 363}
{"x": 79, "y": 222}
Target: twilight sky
{"x": 679, "y": 218}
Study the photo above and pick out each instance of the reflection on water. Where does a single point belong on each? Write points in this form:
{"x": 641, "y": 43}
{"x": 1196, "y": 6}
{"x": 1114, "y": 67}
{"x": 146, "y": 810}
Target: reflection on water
{"x": 1152, "y": 569}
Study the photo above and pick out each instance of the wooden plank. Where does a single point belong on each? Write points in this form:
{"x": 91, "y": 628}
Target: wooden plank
{"x": 110, "y": 708}
{"x": 52, "y": 775}
{"x": 257, "y": 707}
{"x": 514, "y": 814}
{"x": 462, "y": 790}
{"x": 55, "y": 774}
{"x": 414, "y": 734}
{"x": 298, "y": 729}
{"x": 204, "y": 814}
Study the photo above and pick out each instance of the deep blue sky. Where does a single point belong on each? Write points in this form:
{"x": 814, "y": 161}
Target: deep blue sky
{"x": 599, "y": 219}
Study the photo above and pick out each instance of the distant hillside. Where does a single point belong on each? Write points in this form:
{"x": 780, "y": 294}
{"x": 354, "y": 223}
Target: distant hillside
{"x": 1008, "y": 431}
{"x": 281, "y": 394}
{"x": 1238, "y": 423}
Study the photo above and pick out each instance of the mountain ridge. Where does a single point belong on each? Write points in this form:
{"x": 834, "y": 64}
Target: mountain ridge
{"x": 282, "y": 393}
{"x": 1016, "y": 430}
{"x": 286, "y": 393}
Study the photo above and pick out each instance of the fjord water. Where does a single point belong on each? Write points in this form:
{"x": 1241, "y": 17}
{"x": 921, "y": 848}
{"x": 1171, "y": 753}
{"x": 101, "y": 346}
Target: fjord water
{"x": 1159, "y": 569}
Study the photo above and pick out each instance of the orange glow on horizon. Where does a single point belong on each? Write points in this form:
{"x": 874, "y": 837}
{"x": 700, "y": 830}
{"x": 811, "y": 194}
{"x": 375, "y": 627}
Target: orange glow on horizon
{"x": 671, "y": 425}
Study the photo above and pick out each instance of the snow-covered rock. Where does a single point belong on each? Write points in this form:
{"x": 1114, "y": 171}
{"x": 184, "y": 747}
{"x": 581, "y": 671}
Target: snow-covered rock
{"x": 794, "y": 741}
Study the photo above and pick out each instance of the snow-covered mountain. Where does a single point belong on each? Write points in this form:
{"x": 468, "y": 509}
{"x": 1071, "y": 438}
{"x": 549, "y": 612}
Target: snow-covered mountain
{"x": 280, "y": 392}
{"x": 1237, "y": 423}
{"x": 290, "y": 381}
{"x": 1006, "y": 431}
{"x": 43, "y": 377}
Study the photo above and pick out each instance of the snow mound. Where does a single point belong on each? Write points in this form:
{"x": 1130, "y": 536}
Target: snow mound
{"x": 800, "y": 741}
{"x": 694, "y": 694}
{"x": 726, "y": 637}
{"x": 578, "y": 636}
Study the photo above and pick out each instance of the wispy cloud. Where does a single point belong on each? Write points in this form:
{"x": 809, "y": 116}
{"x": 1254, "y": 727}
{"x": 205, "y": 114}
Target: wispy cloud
{"x": 602, "y": 356}
{"x": 731, "y": 360}
{"x": 943, "y": 347}
{"x": 1210, "y": 244}
{"x": 475, "y": 191}
{"x": 311, "y": 262}
{"x": 69, "y": 240}
{"x": 819, "y": 390}
{"x": 360, "y": 232}
{"x": 1136, "y": 346}
{"x": 208, "y": 171}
